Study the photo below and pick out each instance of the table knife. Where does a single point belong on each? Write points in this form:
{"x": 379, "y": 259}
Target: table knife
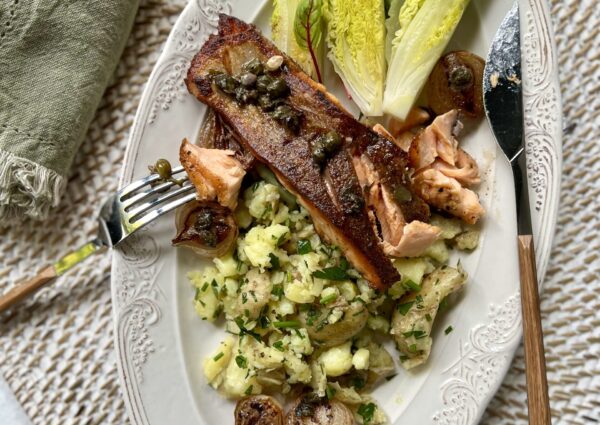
{"x": 503, "y": 103}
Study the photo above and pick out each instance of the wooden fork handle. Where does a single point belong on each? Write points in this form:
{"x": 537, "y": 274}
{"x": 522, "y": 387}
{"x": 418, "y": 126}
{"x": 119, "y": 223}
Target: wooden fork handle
{"x": 26, "y": 288}
{"x": 535, "y": 364}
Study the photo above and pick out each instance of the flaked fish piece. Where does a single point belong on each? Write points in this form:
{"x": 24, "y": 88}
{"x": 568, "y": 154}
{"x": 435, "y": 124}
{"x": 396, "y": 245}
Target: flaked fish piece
{"x": 215, "y": 173}
{"x": 400, "y": 239}
{"x": 215, "y": 134}
{"x": 446, "y": 194}
{"x": 331, "y": 193}
{"x": 444, "y": 171}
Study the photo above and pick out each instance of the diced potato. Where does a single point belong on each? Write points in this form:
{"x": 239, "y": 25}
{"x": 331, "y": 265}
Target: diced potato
{"x": 242, "y": 216}
{"x": 411, "y": 268}
{"x": 380, "y": 361}
{"x": 438, "y": 251}
{"x": 450, "y": 226}
{"x": 237, "y": 382}
{"x": 227, "y": 266}
{"x": 337, "y": 360}
{"x": 260, "y": 241}
{"x": 468, "y": 240}
{"x": 348, "y": 290}
{"x": 360, "y": 359}
{"x": 318, "y": 380}
{"x": 378, "y": 323}
{"x": 262, "y": 200}
{"x": 413, "y": 319}
{"x": 261, "y": 356}
{"x": 216, "y": 363}
{"x": 297, "y": 369}
{"x": 254, "y": 294}
{"x": 299, "y": 342}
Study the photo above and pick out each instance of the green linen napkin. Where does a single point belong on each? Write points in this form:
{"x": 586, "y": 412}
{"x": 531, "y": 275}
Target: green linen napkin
{"x": 56, "y": 58}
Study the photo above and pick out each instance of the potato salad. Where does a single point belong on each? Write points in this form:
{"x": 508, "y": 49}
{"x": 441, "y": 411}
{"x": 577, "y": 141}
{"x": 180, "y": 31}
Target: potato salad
{"x": 298, "y": 316}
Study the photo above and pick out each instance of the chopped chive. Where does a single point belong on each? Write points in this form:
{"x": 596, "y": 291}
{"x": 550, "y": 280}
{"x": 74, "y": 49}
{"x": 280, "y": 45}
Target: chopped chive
{"x": 205, "y": 286}
{"x": 448, "y": 330}
{"x": 405, "y": 307}
{"x": 218, "y": 356}
{"x": 428, "y": 317}
{"x": 330, "y": 391}
{"x": 244, "y": 298}
{"x": 413, "y": 286}
{"x": 287, "y": 324}
{"x": 328, "y": 299}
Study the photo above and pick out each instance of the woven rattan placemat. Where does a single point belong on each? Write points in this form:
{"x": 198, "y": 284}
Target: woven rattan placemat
{"x": 56, "y": 351}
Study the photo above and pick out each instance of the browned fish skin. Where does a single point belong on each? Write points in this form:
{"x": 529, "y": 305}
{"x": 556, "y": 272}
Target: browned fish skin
{"x": 330, "y": 195}
{"x": 215, "y": 134}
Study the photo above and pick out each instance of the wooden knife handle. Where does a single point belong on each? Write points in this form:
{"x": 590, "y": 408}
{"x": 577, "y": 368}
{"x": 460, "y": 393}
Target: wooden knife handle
{"x": 26, "y": 288}
{"x": 535, "y": 363}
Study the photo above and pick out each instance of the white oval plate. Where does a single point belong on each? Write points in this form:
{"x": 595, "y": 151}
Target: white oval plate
{"x": 161, "y": 342}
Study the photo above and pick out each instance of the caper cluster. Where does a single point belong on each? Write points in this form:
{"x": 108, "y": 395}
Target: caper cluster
{"x": 203, "y": 226}
{"x": 258, "y": 84}
{"x": 325, "y": 145}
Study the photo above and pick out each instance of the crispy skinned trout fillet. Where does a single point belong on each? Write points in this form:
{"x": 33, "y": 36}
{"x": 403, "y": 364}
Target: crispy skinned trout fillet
{"x": 331, "y": 194}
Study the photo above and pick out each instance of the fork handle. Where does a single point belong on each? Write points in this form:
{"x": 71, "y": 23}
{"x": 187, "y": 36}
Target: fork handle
{"x": 535, "y": 364}
{"x": 22, "y": 290}
{"x": 49, "y": 273}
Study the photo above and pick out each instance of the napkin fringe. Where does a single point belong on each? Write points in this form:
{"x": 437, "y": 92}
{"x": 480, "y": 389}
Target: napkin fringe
{"x": 27, "y": 189}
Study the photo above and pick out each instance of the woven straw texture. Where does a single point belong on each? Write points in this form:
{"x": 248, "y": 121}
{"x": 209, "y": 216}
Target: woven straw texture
{"x": 56, "y": 351}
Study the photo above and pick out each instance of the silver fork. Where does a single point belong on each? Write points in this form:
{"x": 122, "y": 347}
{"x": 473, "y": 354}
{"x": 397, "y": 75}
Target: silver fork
{"x": 125, "y": 212}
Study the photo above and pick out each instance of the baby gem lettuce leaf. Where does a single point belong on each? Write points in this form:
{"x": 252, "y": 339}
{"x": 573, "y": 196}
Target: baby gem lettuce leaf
{"x": 288, "y": 35}
{"x": 356, "y": 41}
{"x": 424, "y": 29}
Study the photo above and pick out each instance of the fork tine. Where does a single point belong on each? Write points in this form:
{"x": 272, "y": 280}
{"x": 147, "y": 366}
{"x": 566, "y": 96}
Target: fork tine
{"x": 134, "y": 213}
{"x": 162, "y": 210}
{"x": 140, "y": 196}
{"x": 132, "y": 187}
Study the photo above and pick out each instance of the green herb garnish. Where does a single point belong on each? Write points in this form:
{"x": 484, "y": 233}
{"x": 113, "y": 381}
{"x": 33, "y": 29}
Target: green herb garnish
{"x": 293, "y": 324}
{"x": 366, "y": 411}
{"x": 328, "y": 299}
{"x": 331, "y": 273}
{"x": 218, "y": 356}
{"x": 241, "y": 361}
{"x": 274, "y": 261}
{"x": 278, "y": 345}
{"x": 248, "y": 390}
{"x": 330, "y": 392}
{"x": 405, "y": 307}
{"x": 448, "y": 330}
{"x": 304, "y": 247}
{"x": 411, "y": 285}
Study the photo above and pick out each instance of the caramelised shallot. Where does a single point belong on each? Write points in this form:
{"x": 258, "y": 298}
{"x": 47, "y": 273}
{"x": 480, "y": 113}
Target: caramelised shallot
{"x": 258, "y": 410}
{"x": 206, "y": 227}
{"x": 311, "y": 409}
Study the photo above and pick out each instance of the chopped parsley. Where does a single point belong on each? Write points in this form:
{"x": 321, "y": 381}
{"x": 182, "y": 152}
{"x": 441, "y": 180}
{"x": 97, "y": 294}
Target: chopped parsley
{"x": 448, "y": 330}
{"x": 331, "y": 273}
{"x": 304, "y": 247}
{"x": 241, "y": 361}
{"x": 274, "y": 261}
{"x": 278, "y": 345}
{"x": 277, "y": 291}
{"x": 366, "y": 411}
{"x": 248, "y": 390}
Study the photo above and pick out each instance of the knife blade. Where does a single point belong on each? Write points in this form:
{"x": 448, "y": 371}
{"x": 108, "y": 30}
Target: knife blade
{"x": 503, "y": 104}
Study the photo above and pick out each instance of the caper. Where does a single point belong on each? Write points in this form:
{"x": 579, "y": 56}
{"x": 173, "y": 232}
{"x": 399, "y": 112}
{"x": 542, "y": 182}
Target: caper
{"x": 245, "y": 96}
{"x": 248, "y": 79}
{"x": 318, "y": 153}
{"x": 163, "y": 169}
{"x": 278, "y": 88}
{"x": 461, "y": 76}
{"x": 287, "y": 116}
{"x": 267, "y": 103}
{"x": 254, "y": 66}
{"x": 262, "y": 83}
{"x": 226, "y": 83}
{"x": 331, "y": 141}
